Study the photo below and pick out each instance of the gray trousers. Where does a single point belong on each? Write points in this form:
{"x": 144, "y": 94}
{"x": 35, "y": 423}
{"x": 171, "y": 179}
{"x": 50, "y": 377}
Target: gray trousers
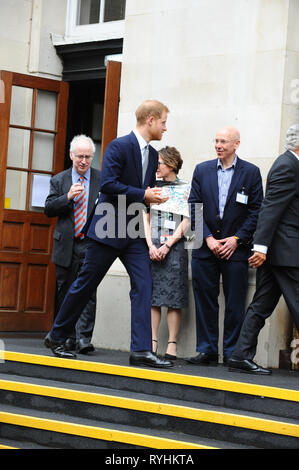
{"x": 271, "y": 282}
{"x": 64, "y": 279}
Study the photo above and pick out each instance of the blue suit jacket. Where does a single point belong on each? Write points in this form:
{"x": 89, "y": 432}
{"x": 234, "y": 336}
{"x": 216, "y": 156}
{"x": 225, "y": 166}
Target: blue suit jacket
{"x": 121, "y": 175}
{"x": 238, "y": 219}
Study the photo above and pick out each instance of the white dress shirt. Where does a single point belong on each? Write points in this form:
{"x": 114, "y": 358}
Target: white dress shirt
{"x": 142, "y": 144}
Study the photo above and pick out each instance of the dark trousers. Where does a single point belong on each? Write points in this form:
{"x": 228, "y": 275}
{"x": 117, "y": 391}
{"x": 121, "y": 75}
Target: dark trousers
{"x": 206, "y": 286}
{"x": 271, "y": 283}
{"x": 98, "y": 259}
{"x": 64, "y": 278}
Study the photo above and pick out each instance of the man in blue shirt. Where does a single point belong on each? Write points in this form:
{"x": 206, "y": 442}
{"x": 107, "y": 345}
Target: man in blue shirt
{"x": 230, "y": 190}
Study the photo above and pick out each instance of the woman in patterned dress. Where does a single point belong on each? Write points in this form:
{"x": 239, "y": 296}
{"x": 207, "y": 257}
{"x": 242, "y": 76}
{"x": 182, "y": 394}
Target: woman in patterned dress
{"x": 165, "y": 238}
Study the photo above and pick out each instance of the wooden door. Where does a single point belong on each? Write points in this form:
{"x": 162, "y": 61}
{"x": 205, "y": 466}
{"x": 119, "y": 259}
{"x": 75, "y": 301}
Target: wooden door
{"x": 111, "y": 104}
{"x": 33, "y": 114}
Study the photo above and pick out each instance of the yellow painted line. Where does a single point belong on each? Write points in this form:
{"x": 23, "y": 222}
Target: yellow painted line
{"x": 159, "y": 376}
{"x": 6, "y": 447}
{"x": 94, "y": 432}
{"x": 228, "y": 419}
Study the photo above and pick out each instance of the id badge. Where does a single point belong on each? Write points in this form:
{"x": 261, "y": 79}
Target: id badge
{"x": 242, "y": 198}
{"x": 170, "y": 224}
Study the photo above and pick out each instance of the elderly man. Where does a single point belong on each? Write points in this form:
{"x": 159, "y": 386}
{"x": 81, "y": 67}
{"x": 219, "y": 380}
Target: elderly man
{"x": 74, "y": 191}
{"x": 276, "y": 254}
{"x": 231, "y": 192}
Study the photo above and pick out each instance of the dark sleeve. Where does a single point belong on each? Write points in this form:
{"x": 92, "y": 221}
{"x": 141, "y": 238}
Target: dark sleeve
{"x": 280, "y": 190}
{"x": 57, "y": 202}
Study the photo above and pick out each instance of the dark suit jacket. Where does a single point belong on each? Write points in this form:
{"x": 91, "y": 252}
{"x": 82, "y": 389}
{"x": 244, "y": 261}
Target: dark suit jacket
{"x": 278, "y": 222}
{"x": 58, "y": 205}
{"x": 121, "y": 175}
{"x": 238, "y": 219}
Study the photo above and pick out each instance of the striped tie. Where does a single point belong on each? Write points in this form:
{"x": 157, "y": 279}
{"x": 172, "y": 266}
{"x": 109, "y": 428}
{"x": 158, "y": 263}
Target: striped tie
{"x": 80, "y": 211}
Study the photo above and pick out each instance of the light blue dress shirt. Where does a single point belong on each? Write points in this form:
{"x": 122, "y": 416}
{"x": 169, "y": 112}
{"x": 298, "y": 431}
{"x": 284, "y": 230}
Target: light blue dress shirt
{"x": 224, "y": 180}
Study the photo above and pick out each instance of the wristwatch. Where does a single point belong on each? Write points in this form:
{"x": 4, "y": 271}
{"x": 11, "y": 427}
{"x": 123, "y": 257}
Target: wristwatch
{"x": 239, "y": 241}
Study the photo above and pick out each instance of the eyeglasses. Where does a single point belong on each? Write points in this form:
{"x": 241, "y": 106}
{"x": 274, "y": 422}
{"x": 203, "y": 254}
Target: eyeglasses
{"x": 161, "y": 163}
{"x": 81, "y": 157}
{"x": 223, "y": 141}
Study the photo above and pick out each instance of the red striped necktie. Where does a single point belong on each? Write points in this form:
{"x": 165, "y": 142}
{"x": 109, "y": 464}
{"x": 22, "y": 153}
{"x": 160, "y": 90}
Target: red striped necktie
{"x": 80, "y": 210}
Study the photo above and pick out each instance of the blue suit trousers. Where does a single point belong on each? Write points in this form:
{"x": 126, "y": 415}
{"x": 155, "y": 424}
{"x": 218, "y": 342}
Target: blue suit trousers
{"x": 206, "y": 288}
{"x": 98, "y": 259}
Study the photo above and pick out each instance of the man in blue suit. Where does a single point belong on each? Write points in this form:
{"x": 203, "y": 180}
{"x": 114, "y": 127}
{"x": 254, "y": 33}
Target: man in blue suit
{"x": 230, "y": 190}
{"x": 127, "y": 180}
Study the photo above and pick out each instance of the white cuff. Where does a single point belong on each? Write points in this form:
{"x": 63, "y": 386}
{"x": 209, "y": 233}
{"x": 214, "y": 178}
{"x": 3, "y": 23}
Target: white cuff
{"x": 260, "y": 248}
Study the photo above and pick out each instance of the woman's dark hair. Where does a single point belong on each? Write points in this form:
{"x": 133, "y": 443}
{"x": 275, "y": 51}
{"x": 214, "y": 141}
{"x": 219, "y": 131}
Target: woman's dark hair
{"x": 172, "y": 157}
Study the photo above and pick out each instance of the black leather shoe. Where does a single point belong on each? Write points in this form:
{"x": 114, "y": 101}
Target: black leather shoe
{"x": 225, "y": 360}
{"x": 170, "y": 357}
{"x": 84, "y": 347}
{"x": 58, "y": 349}
{"x": 70, "y": 344}
{"x": 147, "y": 358}
{"x": 61, "y": 351}
{"x": 50, "y": 343}
{"x": 203, "y": 359}
{"x": 247, "y": 366}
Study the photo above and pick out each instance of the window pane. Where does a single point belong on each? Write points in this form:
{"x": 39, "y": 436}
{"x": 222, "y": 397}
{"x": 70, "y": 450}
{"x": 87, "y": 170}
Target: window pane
{"x": 89, "y": 11}
{"x": 40, "y": 188}
{"x": 18, "y": 148}
{"x": 45, "y": 113}
{"x": 43, "y": 151}
{"x": 15, "y": 189}
{"x": 96, "y": 161}
{"x": 114, "y": 10}
{"x": 97, "y": 120}
{"x": 21, "y": 106}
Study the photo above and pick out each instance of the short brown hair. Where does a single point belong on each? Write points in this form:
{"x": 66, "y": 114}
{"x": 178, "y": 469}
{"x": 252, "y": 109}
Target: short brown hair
{"x": 172, "y": 157}
{"x": 150, "y": 108}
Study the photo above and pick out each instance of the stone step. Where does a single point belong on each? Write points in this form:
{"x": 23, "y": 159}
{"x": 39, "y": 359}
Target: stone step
{"x": 99, "y": 401}
{"x": 62, "y": 431}
{"x": 127, "y": 408}
{"x": 241, "y": 391}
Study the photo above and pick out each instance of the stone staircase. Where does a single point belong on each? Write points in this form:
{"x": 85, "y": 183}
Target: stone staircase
{"x": 52, "y": 403}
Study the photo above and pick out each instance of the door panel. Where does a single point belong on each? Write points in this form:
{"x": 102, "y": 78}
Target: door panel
{"x": 10, "y": 285}
{"x": 36, "y": 288}
{"x": 32, "y": 130}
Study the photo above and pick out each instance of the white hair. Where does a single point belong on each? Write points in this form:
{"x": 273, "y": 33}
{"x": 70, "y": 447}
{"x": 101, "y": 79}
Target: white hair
{"x": 80, "y": 138}
{"x": 292, "y": 137}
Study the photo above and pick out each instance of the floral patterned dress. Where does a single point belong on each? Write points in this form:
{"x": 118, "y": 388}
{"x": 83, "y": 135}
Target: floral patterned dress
{"x": 170, "y": 276}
